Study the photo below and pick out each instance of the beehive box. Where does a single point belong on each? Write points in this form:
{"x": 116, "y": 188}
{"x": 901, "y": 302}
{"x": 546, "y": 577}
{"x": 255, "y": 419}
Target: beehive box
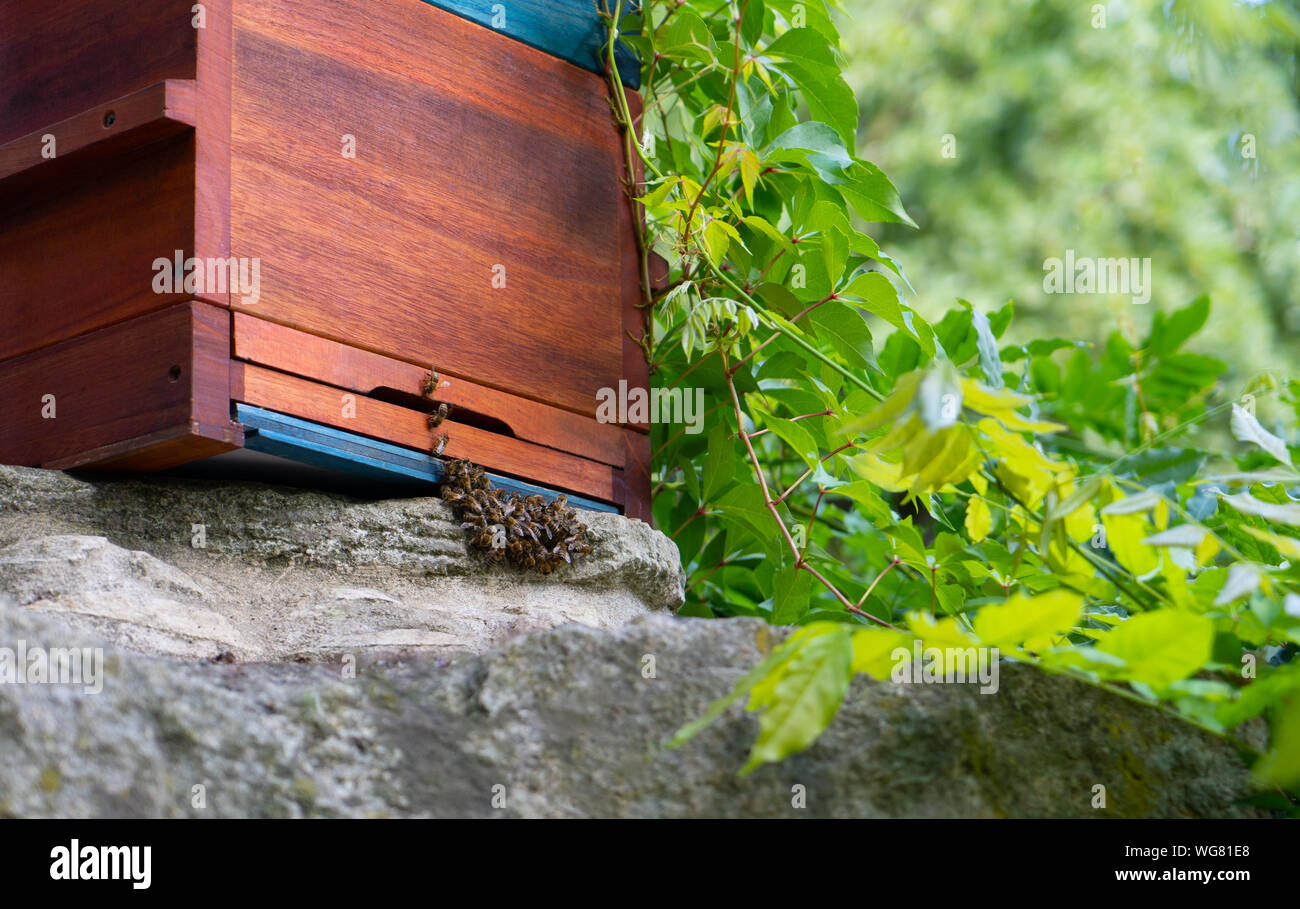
{"x": 399, "y": 187}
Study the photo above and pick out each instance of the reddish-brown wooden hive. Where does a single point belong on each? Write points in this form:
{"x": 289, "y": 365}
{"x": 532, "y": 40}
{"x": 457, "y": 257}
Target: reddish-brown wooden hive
{"x": 415, "y": 189}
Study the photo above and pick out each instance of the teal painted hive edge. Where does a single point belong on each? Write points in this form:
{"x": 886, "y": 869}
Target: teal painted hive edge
{"x": 346, "y": 452}
{"x": 569, "y": 29}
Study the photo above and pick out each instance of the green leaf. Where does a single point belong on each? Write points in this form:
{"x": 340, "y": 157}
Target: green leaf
{"x": 808, "y": 59}
{"x": 815, "y": 15}
{"x": 1161, "y": 647}
{"x": 805, "y": 699}
{"x": 771, "y": 663}
{"x": 799, "y": 439}
{"x": 1280, "y": 514}
{"x": 686, "y": 37}
{"x": 1021, "y": 619}
{"x": 1243, "y": 579}
{"x": 790, "y": 601}
{"x": 1168, "y": 334}
{"x": 847, "y": 332}
{"x": 1163, "y": 465}
{"x": 979, "y": 520}
{"x": 805, "y": 46}
{"x": 872, "y": 195}
{"x": 987, "y": 343}
{"x": 1125, "y": 532}
{"x": 763, "y": 226}
{"x": 751, "y": 24}
{"x": 873, "y": 292}
{"x": 720, "y": 464}
{"x": 873, "y": 650}
{"x": 1280, "y": 766}
{"x": 817, "y": 144}
{"x": 1246, "y": 428}
{"x": 743, "y": 505}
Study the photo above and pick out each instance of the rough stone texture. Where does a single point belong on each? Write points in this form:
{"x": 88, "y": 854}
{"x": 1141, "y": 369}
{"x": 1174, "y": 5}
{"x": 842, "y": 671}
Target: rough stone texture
{"x": 288, "y": 574}
{"x": 559, "y": 720}
{"x": 565, "y": 723}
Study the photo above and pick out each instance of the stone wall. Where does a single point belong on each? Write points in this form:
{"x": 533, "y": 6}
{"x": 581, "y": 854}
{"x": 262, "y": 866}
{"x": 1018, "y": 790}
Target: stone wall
{"x": 480, "y": 692}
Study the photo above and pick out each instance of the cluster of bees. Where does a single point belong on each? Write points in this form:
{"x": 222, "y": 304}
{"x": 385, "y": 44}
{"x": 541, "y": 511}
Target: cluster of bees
{"x": 526, "y": 531}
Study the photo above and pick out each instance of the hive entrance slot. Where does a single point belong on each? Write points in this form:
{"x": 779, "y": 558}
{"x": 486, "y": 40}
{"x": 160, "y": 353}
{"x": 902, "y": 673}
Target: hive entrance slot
{"x": 461, "y": 415}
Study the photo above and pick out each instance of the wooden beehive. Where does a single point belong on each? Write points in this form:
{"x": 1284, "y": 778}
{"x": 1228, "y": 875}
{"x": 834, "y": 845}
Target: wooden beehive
{"x": 416, "y": 188}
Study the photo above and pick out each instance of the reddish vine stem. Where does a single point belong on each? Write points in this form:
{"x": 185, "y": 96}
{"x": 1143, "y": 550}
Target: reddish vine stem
{"x": 698, "y": 512}
{"x": 800, "y": 563}
{"x": 776, "y": 334}
{"x": 812, "y": 519}
{"x": 726, "y": 128}
{"x": 887, "y": 569}
{"x": 706, "y": 575}
{"x": 802, "y": 416}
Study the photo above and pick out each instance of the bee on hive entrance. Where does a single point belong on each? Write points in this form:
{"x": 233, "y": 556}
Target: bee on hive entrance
{"x": 430, "y": 383}
{"x": 436, "y": 418}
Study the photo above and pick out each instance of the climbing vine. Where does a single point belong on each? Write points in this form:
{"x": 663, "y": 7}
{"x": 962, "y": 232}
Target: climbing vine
{"x": 877, "y": 480}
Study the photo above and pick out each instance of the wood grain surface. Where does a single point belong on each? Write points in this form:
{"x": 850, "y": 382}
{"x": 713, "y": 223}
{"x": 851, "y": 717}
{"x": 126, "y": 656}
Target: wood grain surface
{"x": 106, "y": 131}
{"x": 61, "y": 57}
{"x": 212, "y": 138}
{"x": 481, "y": 161}
{"x": 472, "y": 151}
{"x": 125, "y": 388}
{"x": 356, "y": 413}
{"x": 332, "y": 363}
{"x": 77, "y": 255}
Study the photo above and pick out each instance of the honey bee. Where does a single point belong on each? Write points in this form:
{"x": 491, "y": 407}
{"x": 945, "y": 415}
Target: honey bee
{"x": 492, "y": 516}
{"x": 436, "y": 418}
{"x": 441, "y": 444}
{"x": 430, "y": 383}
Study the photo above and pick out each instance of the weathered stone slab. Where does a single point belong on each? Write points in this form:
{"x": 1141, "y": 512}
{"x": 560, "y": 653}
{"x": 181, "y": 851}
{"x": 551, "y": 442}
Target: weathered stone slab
{"x": 193, "y": 568}
{"x": 563, "y": 723}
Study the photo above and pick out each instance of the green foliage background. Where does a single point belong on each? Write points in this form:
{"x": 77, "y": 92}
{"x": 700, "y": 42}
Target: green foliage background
{"x": 1124, "y": 140}
{"x": 1090, "y": 489}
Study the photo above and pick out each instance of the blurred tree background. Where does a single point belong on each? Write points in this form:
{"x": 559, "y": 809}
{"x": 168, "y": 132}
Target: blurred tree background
{"x": 1134, "y": 128}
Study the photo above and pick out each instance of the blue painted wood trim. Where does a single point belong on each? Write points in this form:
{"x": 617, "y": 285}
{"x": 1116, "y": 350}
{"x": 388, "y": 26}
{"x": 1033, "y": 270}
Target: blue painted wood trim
{"x": 569, "y": 29}
{"x": 334, "y": 449}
